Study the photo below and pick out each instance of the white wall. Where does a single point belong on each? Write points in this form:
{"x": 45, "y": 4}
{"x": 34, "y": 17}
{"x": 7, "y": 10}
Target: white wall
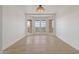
{"x": 13, "y": 24}
{"x": 67, "y": 25}
{"x": 0, "y": 27}
{"x": 67, "y": 22}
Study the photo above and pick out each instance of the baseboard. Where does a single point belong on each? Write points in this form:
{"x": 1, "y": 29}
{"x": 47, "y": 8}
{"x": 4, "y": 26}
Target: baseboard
{"x": 13, "y": 42}
{"x": 67, "y": 42}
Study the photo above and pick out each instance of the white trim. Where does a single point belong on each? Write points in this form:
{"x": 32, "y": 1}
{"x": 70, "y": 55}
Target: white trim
{"x": 40, "y": 13}
{"x": 46, "y": 16}
{"x": 67, "y": 43}
{"x": 14, "y": 42}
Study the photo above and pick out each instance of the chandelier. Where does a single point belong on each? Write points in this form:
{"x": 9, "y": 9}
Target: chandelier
{"x": 40, "y": 9}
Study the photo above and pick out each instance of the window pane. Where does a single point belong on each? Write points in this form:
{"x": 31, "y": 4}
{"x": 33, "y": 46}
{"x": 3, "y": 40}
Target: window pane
{"x": 43, "y": 23}
{"x": 43, "y": 26}
{"x": 37, "y": 23}
{"x": 37, "y": 26}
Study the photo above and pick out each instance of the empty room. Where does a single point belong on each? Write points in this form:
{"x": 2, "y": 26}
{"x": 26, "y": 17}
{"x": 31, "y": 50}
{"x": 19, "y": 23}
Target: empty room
{"x": 39, "y": 29}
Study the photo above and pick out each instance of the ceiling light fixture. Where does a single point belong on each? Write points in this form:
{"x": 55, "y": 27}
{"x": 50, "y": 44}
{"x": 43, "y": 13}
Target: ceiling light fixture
{"x": 40, "y": 9}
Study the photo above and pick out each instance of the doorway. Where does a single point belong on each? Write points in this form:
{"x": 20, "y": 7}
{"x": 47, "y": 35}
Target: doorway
{"x": 40, "y": 24}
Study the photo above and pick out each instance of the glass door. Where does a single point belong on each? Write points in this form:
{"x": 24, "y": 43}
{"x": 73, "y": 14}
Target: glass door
{"x": 43, "y": 25}
{"x": 37, "y": 26}
{"x": 40, "y": 26}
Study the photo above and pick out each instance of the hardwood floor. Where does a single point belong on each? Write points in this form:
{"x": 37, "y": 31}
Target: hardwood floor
{"x": 40, "y": 44}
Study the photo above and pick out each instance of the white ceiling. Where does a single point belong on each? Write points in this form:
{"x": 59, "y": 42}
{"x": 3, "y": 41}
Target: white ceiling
{"x": 48, "y": 8}
{"x": 58, "y": 9}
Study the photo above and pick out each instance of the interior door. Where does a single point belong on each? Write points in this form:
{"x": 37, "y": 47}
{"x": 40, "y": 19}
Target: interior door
{"x": 43, "y": 25}
{"x": 37, "y": 26}
{"x": 40, "y": 26}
